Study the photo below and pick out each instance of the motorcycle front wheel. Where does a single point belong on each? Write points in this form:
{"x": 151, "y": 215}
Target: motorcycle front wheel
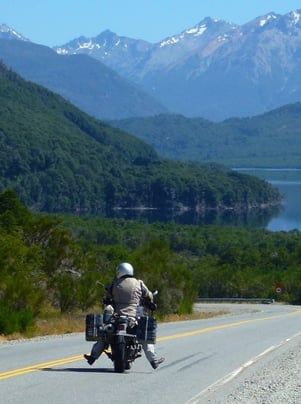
{"x": 119, "y": 354}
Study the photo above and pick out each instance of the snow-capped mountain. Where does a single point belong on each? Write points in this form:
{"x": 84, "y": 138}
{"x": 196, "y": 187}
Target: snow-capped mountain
{"x": 214, "y": 69}
{"x": 8, "y": 33}
{"x": 134, "y": 57}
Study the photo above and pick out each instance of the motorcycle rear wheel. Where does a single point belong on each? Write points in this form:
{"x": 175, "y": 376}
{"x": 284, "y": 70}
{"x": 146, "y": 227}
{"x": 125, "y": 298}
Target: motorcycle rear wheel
{"x": 119, "y": 355}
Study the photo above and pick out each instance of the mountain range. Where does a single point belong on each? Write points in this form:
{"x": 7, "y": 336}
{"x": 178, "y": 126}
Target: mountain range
{"x": 214, "y": 70}
{"x": 87, "y": 83}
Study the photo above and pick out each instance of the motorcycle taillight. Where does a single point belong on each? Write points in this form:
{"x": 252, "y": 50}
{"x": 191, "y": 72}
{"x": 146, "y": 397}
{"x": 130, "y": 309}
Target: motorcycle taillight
{"x": 121, "y": 327}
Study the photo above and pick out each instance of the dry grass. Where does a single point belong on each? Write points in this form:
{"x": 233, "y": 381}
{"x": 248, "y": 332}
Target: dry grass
{"x": 60, "y": 325}
{"x": 194, "y": 316}
{"x": 66, "y": 324}
{"x": 55, "y": 325}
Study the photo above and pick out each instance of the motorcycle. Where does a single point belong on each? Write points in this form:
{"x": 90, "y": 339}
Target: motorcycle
{"x": 122, "y": 335}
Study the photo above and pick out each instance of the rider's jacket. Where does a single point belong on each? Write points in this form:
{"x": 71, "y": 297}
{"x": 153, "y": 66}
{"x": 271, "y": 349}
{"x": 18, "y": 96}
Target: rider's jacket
{"x": 127, "y": 293}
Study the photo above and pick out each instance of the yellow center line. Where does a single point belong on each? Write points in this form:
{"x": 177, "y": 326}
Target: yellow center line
{"x": 221, "y": 327}
{"x": 58, "y": 362}
{"x": 40, "y": 366}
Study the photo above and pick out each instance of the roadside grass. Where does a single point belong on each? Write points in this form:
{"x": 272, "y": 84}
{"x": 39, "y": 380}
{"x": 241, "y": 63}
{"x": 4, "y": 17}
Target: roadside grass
{"x": 54, "y": 323}
{"x": 194, "y": 316}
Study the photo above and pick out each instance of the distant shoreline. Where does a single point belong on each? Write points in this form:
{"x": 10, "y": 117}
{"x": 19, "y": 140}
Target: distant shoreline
{"x": 264, "y": 169}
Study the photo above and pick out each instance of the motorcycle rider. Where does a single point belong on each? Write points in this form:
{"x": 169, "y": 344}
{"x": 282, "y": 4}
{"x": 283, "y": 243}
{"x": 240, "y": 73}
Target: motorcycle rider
{"x": 127, "y": 293}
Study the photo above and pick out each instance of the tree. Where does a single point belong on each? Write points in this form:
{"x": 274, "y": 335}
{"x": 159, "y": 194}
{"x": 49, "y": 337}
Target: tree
{"x": 163, "y": 270}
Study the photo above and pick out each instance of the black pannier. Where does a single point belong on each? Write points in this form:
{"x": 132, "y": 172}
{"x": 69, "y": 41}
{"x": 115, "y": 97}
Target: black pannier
{"x": 93, "y": 323}
{"x": 147, "y": 329}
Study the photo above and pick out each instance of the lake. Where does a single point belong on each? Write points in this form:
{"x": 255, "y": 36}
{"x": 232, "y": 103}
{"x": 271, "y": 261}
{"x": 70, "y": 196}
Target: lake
{"x": 288, "y": 181}
{"x": 284, "y": 218}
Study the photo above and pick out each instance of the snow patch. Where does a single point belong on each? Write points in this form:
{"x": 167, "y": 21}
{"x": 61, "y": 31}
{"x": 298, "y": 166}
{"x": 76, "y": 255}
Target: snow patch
{"x": 197, "y": 31}
{"x": 222, "y": 38}
{"x": 6, "y": 29}
{"x": 264, "y": 20}
{"x": 296, "y": 17}
{"x": 86, "y": 45}
{"x": 169, "y": 41}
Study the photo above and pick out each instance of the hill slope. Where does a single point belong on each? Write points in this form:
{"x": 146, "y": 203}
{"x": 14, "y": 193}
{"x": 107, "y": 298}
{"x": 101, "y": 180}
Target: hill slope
{"x": 269, "y": 140}
{"x": 58, "y": 158}
{"x": 86, "y": 82}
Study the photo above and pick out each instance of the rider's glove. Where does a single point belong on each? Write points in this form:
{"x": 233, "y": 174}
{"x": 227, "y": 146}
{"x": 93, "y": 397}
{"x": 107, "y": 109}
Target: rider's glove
{"x": 152, "y": 306}
{"x": 107, "y": 300}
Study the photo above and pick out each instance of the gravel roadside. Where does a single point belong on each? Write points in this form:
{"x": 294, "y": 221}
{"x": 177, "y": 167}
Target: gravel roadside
{"x": 274, "y": 380}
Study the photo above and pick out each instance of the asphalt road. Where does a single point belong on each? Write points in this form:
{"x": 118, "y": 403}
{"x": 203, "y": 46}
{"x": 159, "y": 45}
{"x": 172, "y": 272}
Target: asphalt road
{"x": 202, "y": 356}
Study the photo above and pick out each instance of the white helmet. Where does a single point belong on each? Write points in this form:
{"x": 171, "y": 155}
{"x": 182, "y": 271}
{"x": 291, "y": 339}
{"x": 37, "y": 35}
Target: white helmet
{"x": 124, "y": 269}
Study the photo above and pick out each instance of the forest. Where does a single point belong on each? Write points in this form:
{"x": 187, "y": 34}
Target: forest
{"x": 271, "y": 139}
{"x": 54, "y": 262}
{"x": 59, "y": 159}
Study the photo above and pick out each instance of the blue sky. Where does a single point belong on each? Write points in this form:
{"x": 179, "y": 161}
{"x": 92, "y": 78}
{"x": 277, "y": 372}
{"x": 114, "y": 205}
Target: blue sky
{"x": 55, "y": 22}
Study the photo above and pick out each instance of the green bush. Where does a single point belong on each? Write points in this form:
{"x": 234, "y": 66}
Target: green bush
{"x": 15, "y": 321}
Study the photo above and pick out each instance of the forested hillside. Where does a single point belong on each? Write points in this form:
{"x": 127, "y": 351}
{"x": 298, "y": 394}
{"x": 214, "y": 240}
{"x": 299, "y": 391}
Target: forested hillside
{"x": 269, "y": 140}
{"x": 51, "y": 265}
{"x": 59, "y": 159}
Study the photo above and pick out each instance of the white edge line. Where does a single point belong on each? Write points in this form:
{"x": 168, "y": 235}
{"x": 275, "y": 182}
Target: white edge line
{"x": 230, "y": 376}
